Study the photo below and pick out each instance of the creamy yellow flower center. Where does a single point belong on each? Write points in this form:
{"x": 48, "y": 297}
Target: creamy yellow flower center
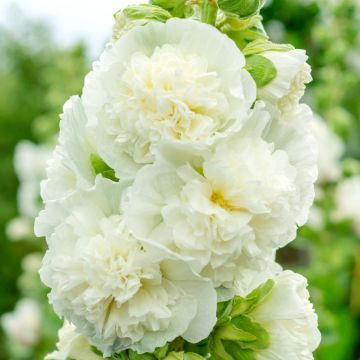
{"x": 174, "y": 93}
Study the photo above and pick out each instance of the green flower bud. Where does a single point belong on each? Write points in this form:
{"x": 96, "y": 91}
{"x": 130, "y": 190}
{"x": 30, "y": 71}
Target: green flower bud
{"x": 137, "y": 15}
{"x": 240, "y": 8}
{"x": 176, "y": 8}
{"x": 146, "y": 11}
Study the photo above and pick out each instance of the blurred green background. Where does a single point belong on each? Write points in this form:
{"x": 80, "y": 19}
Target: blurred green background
{"x": 37, "y": 76}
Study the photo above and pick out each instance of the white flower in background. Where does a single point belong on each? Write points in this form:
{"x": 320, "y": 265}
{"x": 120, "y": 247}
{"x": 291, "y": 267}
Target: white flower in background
{"x": 331, "y": 148}
{"x": 347, "y": 201}
{"x": 290, "y": 320}
{"x": 70, "y": 166}
{"x": 20, "y": 228}
{"x": 230, "y": 207}
{"x": 23, "y": 324}
{"x": 32, "y": 262}
{"x": 30, "y": 160}
{"x": 316, "y": 218}
{"x": 72, "y": 345}
{"x": 165, "y": 81}
{"x": 118, "y": 292}
{"x": 288, "y": 87}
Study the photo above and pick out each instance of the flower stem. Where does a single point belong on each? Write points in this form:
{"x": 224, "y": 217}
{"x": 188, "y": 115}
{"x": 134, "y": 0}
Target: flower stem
{"x": 208, "y": 10}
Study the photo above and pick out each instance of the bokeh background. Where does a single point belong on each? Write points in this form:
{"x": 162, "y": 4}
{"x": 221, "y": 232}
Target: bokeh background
{"x": 46, "y": 48}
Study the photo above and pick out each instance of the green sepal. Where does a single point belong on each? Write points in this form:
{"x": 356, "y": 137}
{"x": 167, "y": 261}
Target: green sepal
{"x": 135, "y": 356}
{"x": 239, "y": 339}
{"x": 161, "y": 352}
{"x": 233, "y": 332}
{"x": 177, "y": 8}
{"x": 223, "y": 313}
{"x": 183, "y": 356}
{"x": 260, "y": 337}
{"x": 236, "y": 335}
{"x": 100, "y": 167}
{"x": 237, "y": 352}
{"x": 260, "y": 45}
{"x": 246, "y": 305}
{"x": 193, "y": 356}
{"x": 261, "y": 69}
{"x": 120, "y": 356}
{"x": 146, "y": 12}
{"x": 240, "y": 8}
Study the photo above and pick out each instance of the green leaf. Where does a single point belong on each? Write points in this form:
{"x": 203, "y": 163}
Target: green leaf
{"x": 260, "y": 45}
{"x": 100, "y": 167}
{"x": 147, "y": 12}
{"x": 241, "y": 8}
{"x": 261, "y": 69}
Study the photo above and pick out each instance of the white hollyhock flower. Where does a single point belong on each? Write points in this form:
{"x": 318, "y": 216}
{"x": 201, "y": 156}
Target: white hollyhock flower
{"x": 23, "y": 324}
{"x": 72, "y": 345}
{"x": 228, "y": 208}
{"x": 165, "y": 81}
{"x": 30, "y": 160}
{"x": 347, "y": 200}
{"x": 288, "y": 87}
{"x": 118, "y": 292}
{"x": 331, "y": 148}
{"x": 70, "y": 166}
{"x": 289, "y": 318}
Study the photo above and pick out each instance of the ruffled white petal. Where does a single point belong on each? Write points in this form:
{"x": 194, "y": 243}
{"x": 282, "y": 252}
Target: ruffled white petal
{"x": 290, "y": 320}
{"x": 288, "y": 87}
{"x": 165, "y": 81}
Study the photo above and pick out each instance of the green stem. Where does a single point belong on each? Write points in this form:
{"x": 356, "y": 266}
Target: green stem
{"x": 208, "y": 10}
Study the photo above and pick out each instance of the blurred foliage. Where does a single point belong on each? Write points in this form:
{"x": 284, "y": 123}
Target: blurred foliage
{"x": 329, "y": 257}
{"x": 36, "y": 79}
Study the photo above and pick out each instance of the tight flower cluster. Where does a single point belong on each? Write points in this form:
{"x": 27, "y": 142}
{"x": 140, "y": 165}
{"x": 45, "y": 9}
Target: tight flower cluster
{"x": 175, "y": 180}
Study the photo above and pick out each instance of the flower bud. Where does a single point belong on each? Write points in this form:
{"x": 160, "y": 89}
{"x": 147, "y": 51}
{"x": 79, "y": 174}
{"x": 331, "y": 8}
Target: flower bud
{"x": 241, "y": 8}
{"x": 175, "y": 7}
{"x": 137, "y": 15}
